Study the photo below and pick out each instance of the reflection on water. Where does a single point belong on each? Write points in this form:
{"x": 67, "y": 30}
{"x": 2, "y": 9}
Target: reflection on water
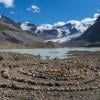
{"x": 52, "y": 53}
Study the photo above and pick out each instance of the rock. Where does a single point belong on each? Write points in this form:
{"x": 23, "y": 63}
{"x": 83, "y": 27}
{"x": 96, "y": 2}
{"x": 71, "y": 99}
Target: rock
{"x": 4, "y": 74}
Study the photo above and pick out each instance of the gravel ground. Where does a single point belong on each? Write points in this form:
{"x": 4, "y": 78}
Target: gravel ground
{"x": 27, "y": 77}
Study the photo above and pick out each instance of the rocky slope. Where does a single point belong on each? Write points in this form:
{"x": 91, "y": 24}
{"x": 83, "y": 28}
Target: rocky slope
{"x": 12, "y": 36}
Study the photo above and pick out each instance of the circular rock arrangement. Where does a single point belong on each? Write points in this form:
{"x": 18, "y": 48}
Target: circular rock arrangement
{"x": 49, "y": 78}
{"x": 67, "y": 75}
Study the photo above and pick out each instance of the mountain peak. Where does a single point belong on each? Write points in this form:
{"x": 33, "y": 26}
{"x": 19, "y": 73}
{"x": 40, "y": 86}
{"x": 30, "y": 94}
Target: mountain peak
{"x": 27, "y": 26}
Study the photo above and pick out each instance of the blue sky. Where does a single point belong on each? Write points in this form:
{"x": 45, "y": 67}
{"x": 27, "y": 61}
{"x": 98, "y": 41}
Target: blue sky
{"x": 49, "y": 11}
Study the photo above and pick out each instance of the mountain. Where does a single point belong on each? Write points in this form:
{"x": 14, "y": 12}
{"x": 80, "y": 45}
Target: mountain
{"x": 55, "y": 32}
{"x": 7, "y": 23}
{"x": 12, "y": 36}
{"x": 28, "y": 27}
{"x": 69, "y": 30}
{"x": 71, "y": 33}
{"x": 90, "y": 38}
{"x": 60, "y": 32}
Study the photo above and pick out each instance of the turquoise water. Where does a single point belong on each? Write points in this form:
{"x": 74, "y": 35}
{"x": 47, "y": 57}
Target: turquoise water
{"x": 52, "y": 53}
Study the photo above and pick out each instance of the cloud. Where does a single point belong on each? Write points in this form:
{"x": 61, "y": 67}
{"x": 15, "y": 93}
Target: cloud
{"x": 34, "y": 9}
{"x": 90, "y": 20}
{"x": 45, "y": 27}
{"x": 96, "y": 15}
{"x": 59, "y": 24}
{"x": 7, "y": 3}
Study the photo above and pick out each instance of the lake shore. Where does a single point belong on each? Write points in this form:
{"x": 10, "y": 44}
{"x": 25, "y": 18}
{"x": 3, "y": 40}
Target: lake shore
{"x": 28, "y": 77}
{"x": 51, "y": 53}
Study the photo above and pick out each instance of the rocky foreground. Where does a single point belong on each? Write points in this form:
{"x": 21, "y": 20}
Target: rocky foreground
{"x": 26, "y": 77}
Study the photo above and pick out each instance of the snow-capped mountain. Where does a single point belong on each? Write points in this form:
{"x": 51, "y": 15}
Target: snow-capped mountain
{"x": 72, "y": 29}
{"x": 51, "y": 32}
{"x": 28, "y": 27}
{"x": 61, "y": 31}
{"x": 90, "y": 38}
{"x": 60, "y": 34}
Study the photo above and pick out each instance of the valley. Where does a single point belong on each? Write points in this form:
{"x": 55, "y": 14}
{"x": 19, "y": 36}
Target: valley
{"x": 50, "y": 62}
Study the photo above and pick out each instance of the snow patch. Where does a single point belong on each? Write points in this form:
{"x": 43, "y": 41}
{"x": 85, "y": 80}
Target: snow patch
{"x": 25, "y": 27}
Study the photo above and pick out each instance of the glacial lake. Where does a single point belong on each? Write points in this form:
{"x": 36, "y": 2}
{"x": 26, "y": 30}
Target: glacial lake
{"x": 52, "y": 53}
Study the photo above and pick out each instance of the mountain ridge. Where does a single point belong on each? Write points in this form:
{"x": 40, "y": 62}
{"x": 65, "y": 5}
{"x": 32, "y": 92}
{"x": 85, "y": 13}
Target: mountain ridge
{"x": 29, "y": 35}
{"x": 90, "y": 38}
{"x": 57, "y": 31}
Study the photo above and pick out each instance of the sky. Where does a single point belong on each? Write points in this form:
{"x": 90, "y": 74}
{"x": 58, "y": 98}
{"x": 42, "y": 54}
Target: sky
{"x": 49, "y": 11}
